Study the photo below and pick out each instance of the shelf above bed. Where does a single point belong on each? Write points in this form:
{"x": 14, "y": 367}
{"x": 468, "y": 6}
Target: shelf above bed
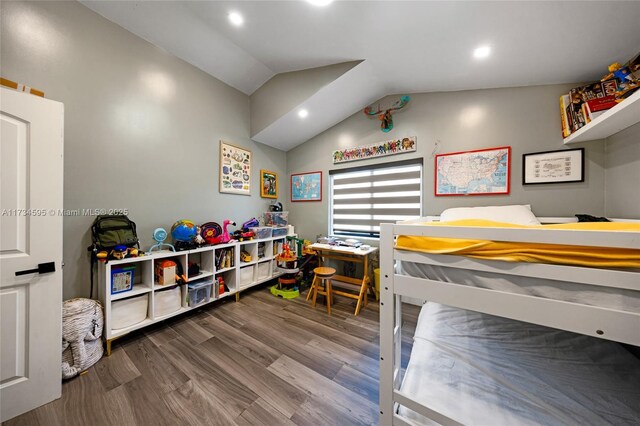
{"x": 618, "y": 118}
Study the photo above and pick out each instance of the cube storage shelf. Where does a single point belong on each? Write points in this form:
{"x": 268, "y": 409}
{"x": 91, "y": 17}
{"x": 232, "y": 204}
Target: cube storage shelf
{"x": 237, "y": 276}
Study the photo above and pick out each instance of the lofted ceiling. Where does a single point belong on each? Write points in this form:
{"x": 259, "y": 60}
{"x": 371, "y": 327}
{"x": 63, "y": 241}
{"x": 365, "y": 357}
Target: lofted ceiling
{"x": 407, "y": 46}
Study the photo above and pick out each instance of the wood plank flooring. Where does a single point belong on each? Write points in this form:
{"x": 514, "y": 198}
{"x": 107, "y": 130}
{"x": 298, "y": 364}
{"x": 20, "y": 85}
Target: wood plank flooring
{"x": 261, "y": 361}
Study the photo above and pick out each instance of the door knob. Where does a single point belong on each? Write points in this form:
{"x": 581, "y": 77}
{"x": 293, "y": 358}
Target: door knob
{"x": 43, "y": 268}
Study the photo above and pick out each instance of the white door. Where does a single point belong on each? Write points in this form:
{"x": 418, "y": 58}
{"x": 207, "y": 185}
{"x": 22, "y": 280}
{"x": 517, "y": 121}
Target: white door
{"x": 31, "y": 180}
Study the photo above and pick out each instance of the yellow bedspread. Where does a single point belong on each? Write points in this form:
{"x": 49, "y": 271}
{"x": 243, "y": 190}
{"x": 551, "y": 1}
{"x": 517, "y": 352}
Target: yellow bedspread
{"x": 530, "y": 252}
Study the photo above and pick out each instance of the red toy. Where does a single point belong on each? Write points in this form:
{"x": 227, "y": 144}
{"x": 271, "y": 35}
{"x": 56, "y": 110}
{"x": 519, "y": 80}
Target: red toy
{"x": 224, "y": 238}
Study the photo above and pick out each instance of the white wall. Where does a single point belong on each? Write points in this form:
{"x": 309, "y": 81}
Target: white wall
{"x": 525, "y": 118}
{"x": 142, "y": 127}
{"x": 622, "y": 175}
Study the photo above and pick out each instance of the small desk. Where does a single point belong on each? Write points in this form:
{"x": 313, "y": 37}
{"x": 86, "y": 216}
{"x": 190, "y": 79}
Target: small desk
{"x": 348, "y": 254}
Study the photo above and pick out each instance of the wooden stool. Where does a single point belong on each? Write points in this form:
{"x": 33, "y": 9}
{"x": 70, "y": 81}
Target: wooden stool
{"x": 324, "y": 275}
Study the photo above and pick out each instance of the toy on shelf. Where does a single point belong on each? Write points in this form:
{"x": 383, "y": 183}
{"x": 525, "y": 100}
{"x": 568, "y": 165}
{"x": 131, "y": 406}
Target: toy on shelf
{"x": 221, "y": 286}
{"x": 627, "y": 77}
{"x": 243, "y": 234}
{"x": 245, "y": 256}
{"x": 276, "y": 206}
{"x": 224, "y": 237}
{"x": 119, "y": 252}
{"x": 160, "y": 235}
{"x": 193, "y": 269}
{"x": 251, "y": 223}
{"x": 198, "y": 239}
{"x": 210, "y": 231}
{"x": 184, "y": 233}
{"x": 168, "y": 272}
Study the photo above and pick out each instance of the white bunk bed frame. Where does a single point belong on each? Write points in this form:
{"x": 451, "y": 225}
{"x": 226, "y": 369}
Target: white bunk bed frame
{"x": 620, "y": 326}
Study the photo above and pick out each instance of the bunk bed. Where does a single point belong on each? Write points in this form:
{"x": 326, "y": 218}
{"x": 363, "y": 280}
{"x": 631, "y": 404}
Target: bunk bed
{"x": 501, "y": 342}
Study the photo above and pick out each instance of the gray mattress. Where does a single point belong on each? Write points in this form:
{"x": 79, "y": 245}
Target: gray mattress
{"x": 485, "y": 370}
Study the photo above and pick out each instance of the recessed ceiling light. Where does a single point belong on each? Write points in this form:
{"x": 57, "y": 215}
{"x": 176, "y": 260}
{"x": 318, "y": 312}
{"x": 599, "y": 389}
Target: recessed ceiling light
{"x": 482, "y": 52}
{"x": 320, "y": 2}
{"x": 236, "y": 19}
{"x": 303, "y": 113}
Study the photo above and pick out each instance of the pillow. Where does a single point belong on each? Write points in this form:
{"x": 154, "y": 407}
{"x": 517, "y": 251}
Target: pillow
{"x": 517, "y": 215}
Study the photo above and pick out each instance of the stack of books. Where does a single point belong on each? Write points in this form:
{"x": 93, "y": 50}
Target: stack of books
{"x": 585, "y": 103}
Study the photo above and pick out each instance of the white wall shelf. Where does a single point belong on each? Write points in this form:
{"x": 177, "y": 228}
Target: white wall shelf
{"x": 618, "y": 118}
{"x": 238, "y": 276}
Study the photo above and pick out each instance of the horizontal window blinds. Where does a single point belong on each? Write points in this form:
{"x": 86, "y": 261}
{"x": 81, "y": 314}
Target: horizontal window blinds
{"x": 362, "y": 199}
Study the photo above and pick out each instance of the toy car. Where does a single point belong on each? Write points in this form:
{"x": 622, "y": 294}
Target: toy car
{"x": 243, "y": 234}
{"x": 245, "y": 256}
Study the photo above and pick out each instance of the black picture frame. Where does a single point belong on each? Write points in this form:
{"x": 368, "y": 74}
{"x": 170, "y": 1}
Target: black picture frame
{"x": 555, "y": 172}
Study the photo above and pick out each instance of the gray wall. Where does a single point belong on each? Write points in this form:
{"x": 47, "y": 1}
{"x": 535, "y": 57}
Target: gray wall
{"x": 622, "y": 176}
{"x": 285, "y": 91}
{"x": 142, "y": 127}
{"x": 526, "y": 118}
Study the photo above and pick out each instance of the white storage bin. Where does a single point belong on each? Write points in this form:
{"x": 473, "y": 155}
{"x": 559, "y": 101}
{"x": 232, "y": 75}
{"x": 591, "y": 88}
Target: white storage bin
{"x": 128, "y": 312}
{"x": 167, "y": 301}
{"x": 264, "y": 270}
{"x": 246, "y": 275}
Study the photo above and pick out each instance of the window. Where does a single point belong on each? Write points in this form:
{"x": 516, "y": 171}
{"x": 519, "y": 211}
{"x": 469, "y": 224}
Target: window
{"x": 364, "y": 197}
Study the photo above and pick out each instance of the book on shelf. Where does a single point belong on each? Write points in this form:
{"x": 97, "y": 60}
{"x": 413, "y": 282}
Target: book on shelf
{"x": 564, "y": 102}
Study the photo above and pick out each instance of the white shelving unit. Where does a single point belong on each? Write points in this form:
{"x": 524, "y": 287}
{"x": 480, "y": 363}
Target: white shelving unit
{"x": 621, "y": 116}
{"x": 238, "y": 276}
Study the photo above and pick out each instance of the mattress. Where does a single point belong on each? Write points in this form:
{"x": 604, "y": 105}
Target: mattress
{"x": 485, "y": 370}
{"x": 601, "y": 257}
{"x": 613, "y": 298}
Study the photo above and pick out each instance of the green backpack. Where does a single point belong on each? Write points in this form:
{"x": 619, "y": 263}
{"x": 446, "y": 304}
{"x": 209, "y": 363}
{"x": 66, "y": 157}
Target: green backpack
{"x": 107, "y": 232}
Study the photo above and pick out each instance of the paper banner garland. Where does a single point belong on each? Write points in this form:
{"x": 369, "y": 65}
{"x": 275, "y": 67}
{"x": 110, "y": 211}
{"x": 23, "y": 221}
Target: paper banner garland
{"x": 380, "y": 149}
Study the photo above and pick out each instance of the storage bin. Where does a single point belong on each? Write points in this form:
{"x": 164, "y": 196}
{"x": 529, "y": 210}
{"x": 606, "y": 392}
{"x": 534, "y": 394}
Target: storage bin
{"x": 280, "y": 232}
{"x": 264, "y": 270}
{"x": 128, "y": 312}
{"x": 167, "y": 301}
{"x": 122, "y": 278}
{"x": 279, "y": 219}
{"x": 199, "y": 292}
{"x": 246, "y": 275}
{"x": 262, "y": 232}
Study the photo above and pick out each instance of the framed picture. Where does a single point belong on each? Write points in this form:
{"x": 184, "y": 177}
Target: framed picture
{"x": 562, "y": 166}
{"x": 478, "y": 172}
{"x": 306, "y": 186}
{"x": 268, "y": 184}
{"x": 235, "y": 169}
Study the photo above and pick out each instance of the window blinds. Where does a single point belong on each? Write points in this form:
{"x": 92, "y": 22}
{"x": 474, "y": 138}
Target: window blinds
{"x": 364, "y": 197}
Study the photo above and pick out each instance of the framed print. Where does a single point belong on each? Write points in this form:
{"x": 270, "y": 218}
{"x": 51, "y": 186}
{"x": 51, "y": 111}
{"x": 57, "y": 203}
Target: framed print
{"x": 268, "y": 184}
{"x": 478, "y": 172}
{"x": 562, "y": 166}
{"x": 306, "y": 186}
{"x": 235, "y": 169}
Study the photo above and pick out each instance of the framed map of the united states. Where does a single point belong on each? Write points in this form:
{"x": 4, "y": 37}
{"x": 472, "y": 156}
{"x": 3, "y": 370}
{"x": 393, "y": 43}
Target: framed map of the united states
{"x": 479, "y": 172}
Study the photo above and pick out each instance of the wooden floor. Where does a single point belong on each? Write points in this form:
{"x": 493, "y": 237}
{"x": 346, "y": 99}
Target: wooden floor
{"x": 261, "y": 361}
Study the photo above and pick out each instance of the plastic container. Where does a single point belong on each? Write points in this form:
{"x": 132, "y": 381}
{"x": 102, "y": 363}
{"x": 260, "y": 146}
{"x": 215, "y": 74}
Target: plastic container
{"x": 246, "y": 275}
{"x": 199, "y": 292}
{"x": 167, "y": 301}
{"x": 280, "y": 232}
{"x": 122, "y": 278}
{"x": 262, "y": 232}
{"x": 279, "y": 219}
{"x": 128, "y": 312}
{"x": 376, "y": 280}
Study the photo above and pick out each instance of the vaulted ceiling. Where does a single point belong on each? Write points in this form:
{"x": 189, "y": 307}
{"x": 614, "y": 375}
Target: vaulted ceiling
{"x": 405, "y": 46}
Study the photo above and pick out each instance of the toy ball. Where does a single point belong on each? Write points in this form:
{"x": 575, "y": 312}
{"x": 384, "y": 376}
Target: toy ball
{"x": 183, "y": 230}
